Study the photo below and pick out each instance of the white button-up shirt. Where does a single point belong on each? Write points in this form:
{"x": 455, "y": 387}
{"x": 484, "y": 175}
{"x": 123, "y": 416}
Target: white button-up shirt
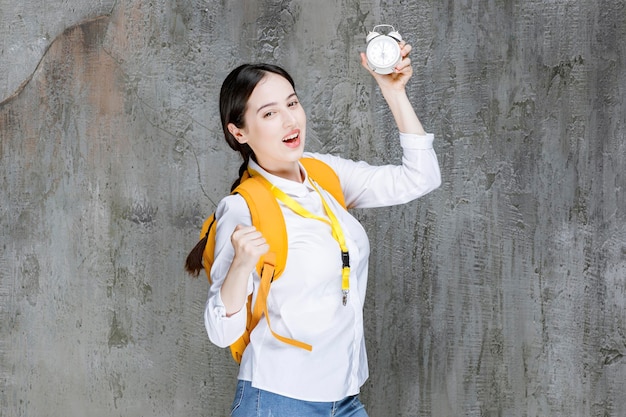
{"x": 305, "y": 303}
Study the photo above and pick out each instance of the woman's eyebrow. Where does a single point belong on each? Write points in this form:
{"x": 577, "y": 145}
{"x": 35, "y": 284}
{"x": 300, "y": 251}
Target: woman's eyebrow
{"x": 274, "y": 103}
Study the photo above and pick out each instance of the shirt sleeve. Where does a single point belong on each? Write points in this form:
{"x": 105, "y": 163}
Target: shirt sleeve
{"x": 222, "y": 330}
{"x": 366, "y": 186}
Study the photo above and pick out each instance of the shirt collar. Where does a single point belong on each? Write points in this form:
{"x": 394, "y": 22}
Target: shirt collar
{"x": 290, "y": 187}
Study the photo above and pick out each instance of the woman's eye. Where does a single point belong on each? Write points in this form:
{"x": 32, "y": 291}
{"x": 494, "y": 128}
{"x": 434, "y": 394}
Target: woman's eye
{"x": 293, "y": 103}
{"x": 268, "y": 114}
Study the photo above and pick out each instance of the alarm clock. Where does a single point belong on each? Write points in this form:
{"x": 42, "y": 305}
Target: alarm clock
{"x": 383, "y": 50}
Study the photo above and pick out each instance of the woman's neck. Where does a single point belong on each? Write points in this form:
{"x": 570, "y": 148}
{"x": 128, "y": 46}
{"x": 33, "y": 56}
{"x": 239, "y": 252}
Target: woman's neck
{"x": 291, "y": 172}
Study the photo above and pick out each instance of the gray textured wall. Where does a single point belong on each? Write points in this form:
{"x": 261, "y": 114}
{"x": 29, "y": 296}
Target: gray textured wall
{"x": 500, "y": 294}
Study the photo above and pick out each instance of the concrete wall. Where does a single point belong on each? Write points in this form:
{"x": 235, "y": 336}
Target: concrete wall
{"x": 500, "y": 294}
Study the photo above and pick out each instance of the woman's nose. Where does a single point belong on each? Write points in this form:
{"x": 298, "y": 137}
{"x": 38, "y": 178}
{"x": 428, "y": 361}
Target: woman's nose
{"x": 289, "y": 119}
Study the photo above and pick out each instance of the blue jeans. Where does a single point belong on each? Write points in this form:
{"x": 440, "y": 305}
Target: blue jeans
{"x": 253, "y": 402}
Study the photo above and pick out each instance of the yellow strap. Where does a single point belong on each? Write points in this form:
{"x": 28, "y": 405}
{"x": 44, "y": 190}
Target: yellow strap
{"x": 334, "y": 224}
{"x": 260, "y": 306}
{"x": 266, "y": 277}
{"x": 339, "y": 236}
{"x": 325, "y": 177}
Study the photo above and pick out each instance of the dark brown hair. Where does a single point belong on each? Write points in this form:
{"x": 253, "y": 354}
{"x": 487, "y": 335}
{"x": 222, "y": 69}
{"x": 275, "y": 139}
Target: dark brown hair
{"x": 234, "y": 94}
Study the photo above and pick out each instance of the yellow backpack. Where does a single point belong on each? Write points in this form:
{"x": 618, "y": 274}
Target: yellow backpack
{"x": 267, "y": 217}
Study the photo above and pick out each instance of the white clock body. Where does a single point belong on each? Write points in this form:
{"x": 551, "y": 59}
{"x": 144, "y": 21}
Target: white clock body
{"x": 383, "y": 51}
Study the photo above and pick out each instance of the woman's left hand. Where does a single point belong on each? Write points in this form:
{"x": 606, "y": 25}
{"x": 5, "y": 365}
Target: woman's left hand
{"x": 401, "y": 74}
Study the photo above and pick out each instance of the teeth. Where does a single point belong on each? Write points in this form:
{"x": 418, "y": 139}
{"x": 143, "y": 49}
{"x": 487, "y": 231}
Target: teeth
{"x": 295, "y": 135}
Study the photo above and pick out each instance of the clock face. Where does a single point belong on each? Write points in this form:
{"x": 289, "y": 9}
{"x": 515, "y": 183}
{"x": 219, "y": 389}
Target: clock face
{"x": 383, "y": 52}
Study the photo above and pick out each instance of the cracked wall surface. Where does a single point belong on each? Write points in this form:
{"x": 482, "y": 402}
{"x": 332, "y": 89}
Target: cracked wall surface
{"x": 500, "y": 294}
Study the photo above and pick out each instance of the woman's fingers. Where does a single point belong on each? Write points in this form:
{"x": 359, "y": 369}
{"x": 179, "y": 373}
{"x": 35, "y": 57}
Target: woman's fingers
{"x": 405, "y": 49}
{"x": 247, "y": 240}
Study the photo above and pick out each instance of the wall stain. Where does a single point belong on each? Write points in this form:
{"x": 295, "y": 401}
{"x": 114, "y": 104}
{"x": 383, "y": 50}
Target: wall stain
{"x": 141, "y": 213}
{"x": 561, "y": 74}
{"x": 116, "y": 385}
{"x": 93, "y": 30}
{"x": 29, "y": 279}
{"x": 118, "y": 336}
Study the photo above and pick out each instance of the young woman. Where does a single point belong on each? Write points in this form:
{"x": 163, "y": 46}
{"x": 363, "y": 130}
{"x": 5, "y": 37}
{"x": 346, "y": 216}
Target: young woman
{"x": 263, "y": 120}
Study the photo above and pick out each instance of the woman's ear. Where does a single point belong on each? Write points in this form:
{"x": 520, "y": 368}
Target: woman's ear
{"x": 237, "y": 133}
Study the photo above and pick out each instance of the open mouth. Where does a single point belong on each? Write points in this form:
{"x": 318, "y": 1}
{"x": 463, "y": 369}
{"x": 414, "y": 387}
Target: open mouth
{"x": 292, "y": 139}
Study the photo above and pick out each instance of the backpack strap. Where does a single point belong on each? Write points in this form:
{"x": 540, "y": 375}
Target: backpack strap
{"x": 208, "y": 255}
{"x": 325, "y": 176}
{"x": 268, "y": 218}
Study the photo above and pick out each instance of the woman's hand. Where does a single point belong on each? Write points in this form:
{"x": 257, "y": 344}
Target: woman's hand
{"x": 401, "y": 74}
{"x": 249, "y": 245}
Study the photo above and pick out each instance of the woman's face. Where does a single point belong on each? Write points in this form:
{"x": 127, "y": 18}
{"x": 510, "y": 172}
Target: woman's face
{"x": 274, "y": 126}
